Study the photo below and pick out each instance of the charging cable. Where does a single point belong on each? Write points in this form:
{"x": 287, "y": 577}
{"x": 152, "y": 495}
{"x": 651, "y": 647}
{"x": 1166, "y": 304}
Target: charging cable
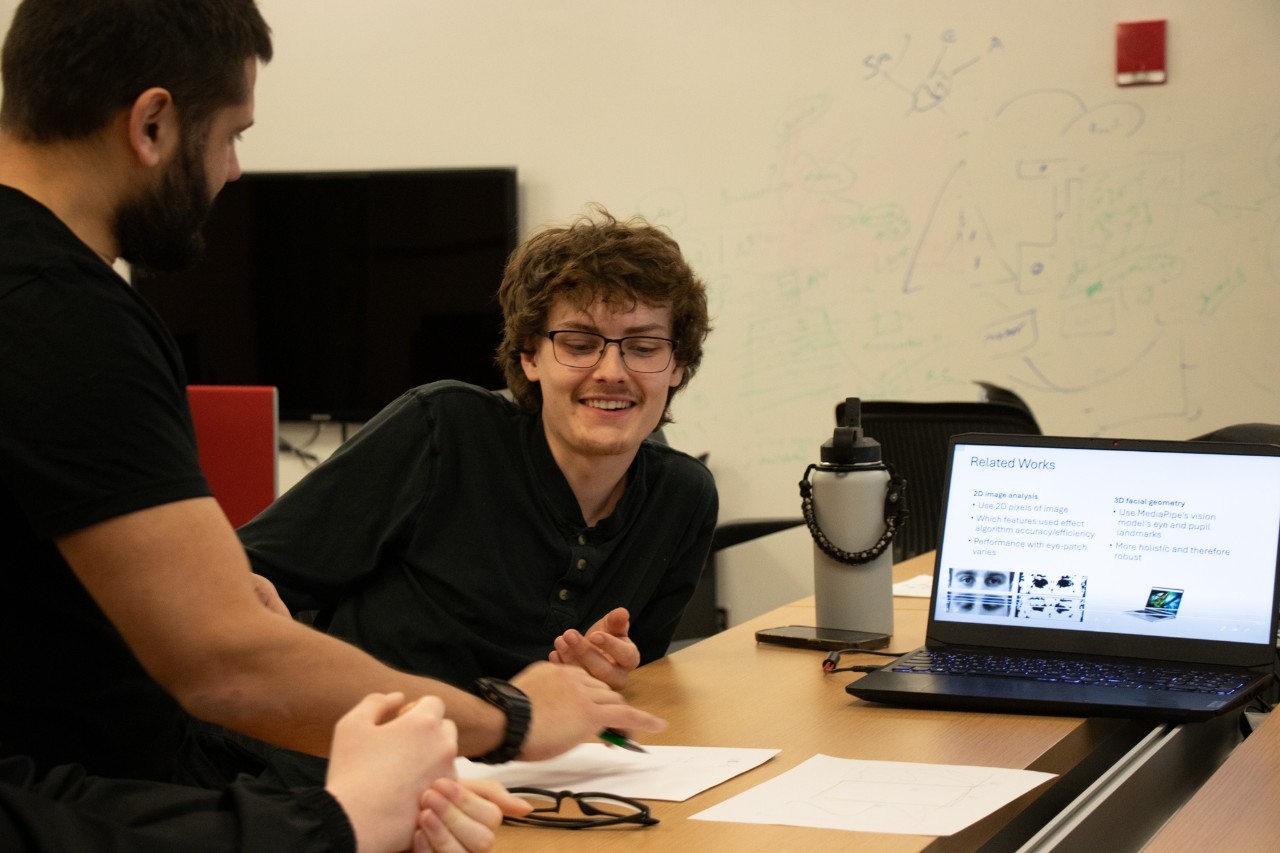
{"x": 832, "y": 661}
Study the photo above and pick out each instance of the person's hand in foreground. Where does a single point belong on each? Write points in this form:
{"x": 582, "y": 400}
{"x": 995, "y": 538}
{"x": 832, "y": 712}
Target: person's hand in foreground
{"x": 392, "y": 770}
{"x": 605, "y": 650}
{"x": 463, "y": 814}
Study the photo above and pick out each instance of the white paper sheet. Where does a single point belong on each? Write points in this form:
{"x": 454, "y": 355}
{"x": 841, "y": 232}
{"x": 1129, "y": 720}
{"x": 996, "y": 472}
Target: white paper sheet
{"x": 877, "y": 796}
{"x": 672, "y": 773}
{"x": 920, "y": 586}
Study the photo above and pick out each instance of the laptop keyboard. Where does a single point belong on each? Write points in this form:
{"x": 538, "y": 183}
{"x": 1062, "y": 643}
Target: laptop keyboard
{"x": 1130, "y": 676}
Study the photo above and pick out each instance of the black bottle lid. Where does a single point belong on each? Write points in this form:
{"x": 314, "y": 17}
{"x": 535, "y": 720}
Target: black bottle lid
{"x": 848, "y": 445}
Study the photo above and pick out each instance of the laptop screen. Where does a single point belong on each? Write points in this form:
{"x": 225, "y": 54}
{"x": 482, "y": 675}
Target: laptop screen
{"x": 1125, "y": 538}
{"x": 1163, "y": 602}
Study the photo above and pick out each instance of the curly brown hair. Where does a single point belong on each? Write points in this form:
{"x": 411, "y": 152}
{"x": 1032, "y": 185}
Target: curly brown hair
{"x": 597, "y": 258}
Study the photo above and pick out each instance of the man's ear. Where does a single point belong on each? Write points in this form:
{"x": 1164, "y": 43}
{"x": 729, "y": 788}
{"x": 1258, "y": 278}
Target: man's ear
{"x": 529, "y": 361}
{"x": 153, "y": 126}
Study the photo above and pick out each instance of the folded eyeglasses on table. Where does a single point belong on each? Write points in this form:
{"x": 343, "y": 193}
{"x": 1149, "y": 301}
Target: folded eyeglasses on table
{"x": 593, "y": 809}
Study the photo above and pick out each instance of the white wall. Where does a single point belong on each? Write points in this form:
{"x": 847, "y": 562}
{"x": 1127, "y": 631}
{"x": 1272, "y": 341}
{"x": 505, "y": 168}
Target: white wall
{"x": 888, "y": 198}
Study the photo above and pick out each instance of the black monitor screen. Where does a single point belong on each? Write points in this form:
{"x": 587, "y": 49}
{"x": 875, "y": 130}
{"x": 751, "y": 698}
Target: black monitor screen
{"x": 344, "y": 289}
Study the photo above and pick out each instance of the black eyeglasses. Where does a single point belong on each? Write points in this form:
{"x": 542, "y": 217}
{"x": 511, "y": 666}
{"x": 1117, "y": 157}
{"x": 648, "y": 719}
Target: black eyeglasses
{"x": 594, "y": 810}
{"x": 641, "y": 353}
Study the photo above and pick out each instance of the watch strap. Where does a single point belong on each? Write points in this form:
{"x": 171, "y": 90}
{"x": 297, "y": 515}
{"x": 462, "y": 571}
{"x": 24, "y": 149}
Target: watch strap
{"x": 513, "y": 702}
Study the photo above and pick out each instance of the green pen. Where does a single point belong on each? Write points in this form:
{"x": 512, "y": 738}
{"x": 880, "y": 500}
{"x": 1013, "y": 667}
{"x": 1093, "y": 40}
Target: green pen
{"x": 617, "y": 738}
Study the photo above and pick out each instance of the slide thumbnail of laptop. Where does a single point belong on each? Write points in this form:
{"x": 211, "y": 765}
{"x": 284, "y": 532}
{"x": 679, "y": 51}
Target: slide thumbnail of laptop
{"x": 1162, "y": 603}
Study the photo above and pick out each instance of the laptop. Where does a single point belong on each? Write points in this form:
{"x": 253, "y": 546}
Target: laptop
{"x": 1046, "y": 545}
{"x": 1162, "y": 603}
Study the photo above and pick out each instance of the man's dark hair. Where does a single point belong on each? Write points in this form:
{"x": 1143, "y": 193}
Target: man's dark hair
{"x": 598, "y": 258}
{"x": 69, "y": 66}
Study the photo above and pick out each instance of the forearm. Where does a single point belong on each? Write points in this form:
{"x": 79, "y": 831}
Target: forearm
{"x": 289, "y": 685}
{"x": 175, "y": 582}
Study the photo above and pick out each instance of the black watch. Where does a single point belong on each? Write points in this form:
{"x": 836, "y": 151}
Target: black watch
{"x": 512, "y": 701}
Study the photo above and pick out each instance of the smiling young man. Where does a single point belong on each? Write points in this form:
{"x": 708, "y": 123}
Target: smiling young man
{"x": 604, "y": 377}
{"x": 461, "y": 535}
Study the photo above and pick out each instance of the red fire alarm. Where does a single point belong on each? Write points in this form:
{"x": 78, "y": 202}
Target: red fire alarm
{"x": 1140, "y": 53}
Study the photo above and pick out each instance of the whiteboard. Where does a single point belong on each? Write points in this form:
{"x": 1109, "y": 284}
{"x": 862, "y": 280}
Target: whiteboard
{"x": 887, "y": 199}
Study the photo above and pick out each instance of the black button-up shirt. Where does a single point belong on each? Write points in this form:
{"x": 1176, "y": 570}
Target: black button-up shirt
{"x": 444, "y": 540}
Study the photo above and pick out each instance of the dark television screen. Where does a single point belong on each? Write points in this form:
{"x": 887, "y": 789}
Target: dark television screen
{"x": 344, "y": 289}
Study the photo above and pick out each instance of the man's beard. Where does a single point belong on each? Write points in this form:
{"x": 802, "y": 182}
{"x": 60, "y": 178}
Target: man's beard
{"x": 162, "y": 229}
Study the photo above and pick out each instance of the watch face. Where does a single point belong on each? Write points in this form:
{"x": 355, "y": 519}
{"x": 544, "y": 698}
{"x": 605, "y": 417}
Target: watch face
{"x": 506, "y": 696}
{"x": 499, "y": 687}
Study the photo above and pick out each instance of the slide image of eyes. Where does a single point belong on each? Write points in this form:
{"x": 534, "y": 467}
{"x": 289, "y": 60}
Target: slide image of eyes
{"x": 975, "y": 604}
{"x": 1053, "y": 585}
{"x": 1050, "y": 607}
{"x": 981, "y": 580}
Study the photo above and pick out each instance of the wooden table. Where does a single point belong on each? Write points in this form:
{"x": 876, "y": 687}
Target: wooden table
{"x": 729, "y": 691}
{"x": 1238, "y": 809}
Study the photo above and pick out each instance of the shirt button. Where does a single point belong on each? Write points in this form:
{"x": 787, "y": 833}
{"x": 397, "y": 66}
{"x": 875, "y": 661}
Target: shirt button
{"x": 564, "y": 595}
{"x": 582, "y": 564}
{"x": 582, "y": 540}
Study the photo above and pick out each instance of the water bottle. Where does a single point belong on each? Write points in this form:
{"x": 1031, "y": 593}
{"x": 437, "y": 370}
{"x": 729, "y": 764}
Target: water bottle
{"x": 854, "y": 504}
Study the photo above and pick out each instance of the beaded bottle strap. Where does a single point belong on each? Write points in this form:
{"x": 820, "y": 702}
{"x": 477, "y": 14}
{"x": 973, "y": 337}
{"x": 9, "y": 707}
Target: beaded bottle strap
{"x": 895, "y": 514}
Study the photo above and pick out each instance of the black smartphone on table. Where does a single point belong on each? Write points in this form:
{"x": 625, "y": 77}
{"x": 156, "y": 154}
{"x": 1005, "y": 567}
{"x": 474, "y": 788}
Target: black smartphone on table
{"x": 821, "y": 639}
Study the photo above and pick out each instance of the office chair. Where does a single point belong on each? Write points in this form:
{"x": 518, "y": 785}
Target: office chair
{"x": 703, "y": 616}
{"x": 237, "y": 430}
{"x": 996, "y": 394}
{"x": 914, "y": 437}
{"x": 1253, "y": 433}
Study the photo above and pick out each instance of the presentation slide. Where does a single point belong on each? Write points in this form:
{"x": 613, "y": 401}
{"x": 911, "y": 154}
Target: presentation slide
{"x": 1121, "y": 541}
